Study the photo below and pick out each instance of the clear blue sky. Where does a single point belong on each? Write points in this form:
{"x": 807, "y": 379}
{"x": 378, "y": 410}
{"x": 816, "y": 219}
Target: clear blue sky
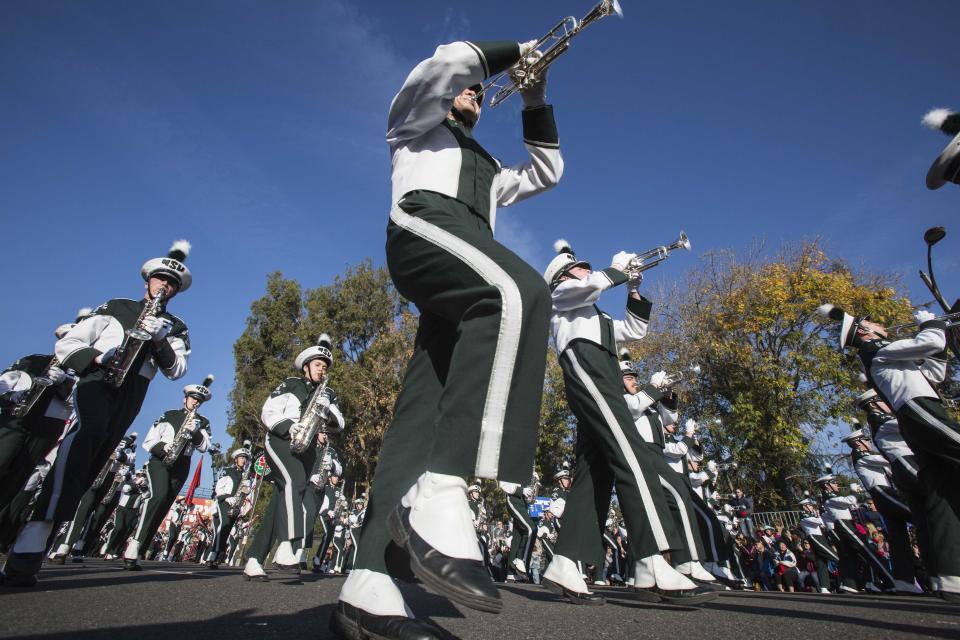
{"x": 255, "y": 130}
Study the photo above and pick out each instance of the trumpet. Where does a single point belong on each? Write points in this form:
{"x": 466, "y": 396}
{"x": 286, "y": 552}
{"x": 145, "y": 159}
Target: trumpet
{"x": 530, "y": 70}
{"x": 674, "y": 378}
{"x": 952, "y": 320}
{"x": 651, "y": 258}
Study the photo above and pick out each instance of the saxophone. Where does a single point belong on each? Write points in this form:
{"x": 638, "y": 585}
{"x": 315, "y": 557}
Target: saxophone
{"x": 313, "y": 418}
{"x": 183, "y": 436}
{"x": 324, "y": 470}
{"x": 39, "y": 385}
{"x": 111, "y": 462}
{"x": 243, "y": 488}
{"x": 126, "y": 354}
{"x": 118, "y": 480}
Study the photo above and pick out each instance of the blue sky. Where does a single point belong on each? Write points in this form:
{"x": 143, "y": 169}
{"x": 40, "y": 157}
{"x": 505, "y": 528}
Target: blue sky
{"x": 255, "y": 130}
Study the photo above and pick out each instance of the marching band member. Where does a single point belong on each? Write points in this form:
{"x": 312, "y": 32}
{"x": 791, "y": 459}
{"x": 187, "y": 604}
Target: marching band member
{"x": 78, "y": 530}
{"x": 813, "y": 527}
{"x": 105, "y": 412}
{"x": 165, "y": 478}
{"x": 564, "y": 480}
{"x": 875, "y": 473}
{"x": 28, "y": 433}
{"x": 291, "y": 470}
{"x": 608, "y": 447}
{"x": 132, "y": 494}
{"x": 946, "y": 168}
{"x": 229, "y": 494}
{"x": 329, "y": 497}
{"x": 479, "y": 304}
{"x": 895, "y": 371}
{"x": 524, "y": 527}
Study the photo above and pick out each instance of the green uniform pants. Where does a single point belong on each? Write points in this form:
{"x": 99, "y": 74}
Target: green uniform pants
{"x": 290, "y": 473}
{"x": 609, "y": 449}
{"x": 23, "y": 444}
{"x": 470, "y": 402}
{"x": 165, "y": 483}
{"x": 124, "y": 524}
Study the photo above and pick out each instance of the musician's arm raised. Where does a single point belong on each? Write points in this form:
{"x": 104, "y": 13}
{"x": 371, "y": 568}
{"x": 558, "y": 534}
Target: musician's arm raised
{"x": 543, "y": 169}
{"x": 428, "y": 92}
{"x": 573, "y": 293}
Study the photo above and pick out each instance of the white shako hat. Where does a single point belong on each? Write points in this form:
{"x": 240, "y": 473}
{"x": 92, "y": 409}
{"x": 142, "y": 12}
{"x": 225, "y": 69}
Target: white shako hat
{"x": 848, "y": 324}
{"x": 626, "y": 364}
{"x": 473, "y": 487}
{"x": 806, "y": 501}
{"x": 853, "y": 436}
{"x": 861, "y": 400}
{"x": 172, "y": 265}
{"x": 322, "y": 350}
{"x": 564, "y": 471}
{"x": 561, "y": 263}
{"x": 824, "y": 479}
{"x": 946, "y": 168}
{"x": 200, "y": 391}
{"x": 61, "y": 331}
{"x": 242, "y": 451}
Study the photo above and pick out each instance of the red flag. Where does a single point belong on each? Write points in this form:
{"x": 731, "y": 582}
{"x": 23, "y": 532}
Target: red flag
{"x": 194, "y": 483}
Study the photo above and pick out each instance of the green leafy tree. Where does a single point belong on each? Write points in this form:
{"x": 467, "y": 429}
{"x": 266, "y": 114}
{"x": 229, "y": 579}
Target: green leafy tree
{"x": 772, "y": 376}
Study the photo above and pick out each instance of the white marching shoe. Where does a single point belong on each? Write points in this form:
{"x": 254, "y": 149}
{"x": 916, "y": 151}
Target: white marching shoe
{"x": 440, "y": 514}
{"x": 655, "y": 571}
{"x": 695, "y": 571}
{"x": 564, "y": 578}
{"x": 253, "y": 571}
{"x": 285, "y": 557}
{"x": 130, "y": 555}
{"x": 375, "y": 593}
{"x": 519, "y": 566}
{"x": 902, "y": 586}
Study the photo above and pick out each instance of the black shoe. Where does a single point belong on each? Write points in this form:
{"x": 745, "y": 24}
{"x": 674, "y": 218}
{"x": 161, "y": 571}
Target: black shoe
{"x": 461, "y": 580}
{"x": 641, "y": 594}
{"x": 356, "y": 624}
{"x": 593, "y": 599}
{"x": 76, "y": 558}
{"x": 260, "y": 578}
{"x": 398, "y": 563}
{"x": 131, "y": 565}
{"x": 59, "y": 558}
{"x": 212, "y": 565}
{"x": 712, "y": 586}
{"x": 699, "y": 595}
{"x": 287, "y": 568}
{"x": 21, "y": 569}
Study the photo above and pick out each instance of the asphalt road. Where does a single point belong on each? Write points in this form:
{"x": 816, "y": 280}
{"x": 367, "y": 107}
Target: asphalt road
{"x": 99, "y": 601}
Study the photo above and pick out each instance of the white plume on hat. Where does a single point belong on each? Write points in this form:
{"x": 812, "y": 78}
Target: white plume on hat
{"x": 562, "y": 246}
{"x": 941, "y": 119}
{"x": 831, "y": 311}
{"x": 181, "y": 247}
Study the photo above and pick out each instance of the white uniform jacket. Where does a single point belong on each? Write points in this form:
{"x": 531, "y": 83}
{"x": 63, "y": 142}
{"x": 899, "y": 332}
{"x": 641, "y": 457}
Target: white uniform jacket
{"x": 896, "y": 369}
{"x": 576, "y": 316}
{"x": 428, "y": 154}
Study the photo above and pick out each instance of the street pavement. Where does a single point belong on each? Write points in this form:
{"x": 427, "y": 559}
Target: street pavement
{"x": 97, "y": 600}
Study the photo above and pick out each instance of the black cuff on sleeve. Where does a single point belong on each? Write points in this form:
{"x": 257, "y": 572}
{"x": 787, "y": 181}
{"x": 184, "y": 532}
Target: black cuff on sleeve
{"x": 197, "y": 438}
{"x": 653, "y": 392}
{"x": 282, "y": 428}
{"x": 640, "y": 308}
{"x": 671, "y": 401}
{"x": 539, "y": 127}
{"x": 158, "y": 450}
{"x": 496, "y": 55}
{"x": 81, "y": 359}
{"x": 616, "y": 276}
{"x": 934, "y": 324}
{"x": 164, "y": 354}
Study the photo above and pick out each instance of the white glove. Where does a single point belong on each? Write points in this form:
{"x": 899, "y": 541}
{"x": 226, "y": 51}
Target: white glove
{"x": 106, "y": 356}
{"x": 158, "y": 328}
{"x": 633, "y": 284}
{"x": 658, "y": 379}
{"x": 56, "y": 375}
{"x": 526, "y": 47}
{"x": 922, "y": 315}
{"x": 528, "y": 493}
{"x": 690, "y": 426}
{"x": 620, "y": 260}
{"x": 535, "y": 94}
{"x": 315, "y": 478}
{"x": 330, "y": 514}
{"x": 324, "y": 403}
{"x": 232, "y": 501}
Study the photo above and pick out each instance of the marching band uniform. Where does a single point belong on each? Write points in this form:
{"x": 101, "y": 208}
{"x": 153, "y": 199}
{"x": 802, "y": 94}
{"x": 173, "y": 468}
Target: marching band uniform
{"x": 524, "y": 527}
{"x": 84, "y": 520}
{"x": 165, "y": 481}
{"x": 291, "y": 471}
{"x": 229, "y": 495}
{"x": 875, "y": 477}
{"x": 174, "y": 519}
{"x": 474, "y": 383}
{"x": 326, "y": 500}
{"x": 814, "y": 529}
{"x": 132, "y": 494}
{"x": 103, "y": 412}
{"x": 25, "y": 440}
{"x": 608, "y": 447}
{"x": 892, "y": 370}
